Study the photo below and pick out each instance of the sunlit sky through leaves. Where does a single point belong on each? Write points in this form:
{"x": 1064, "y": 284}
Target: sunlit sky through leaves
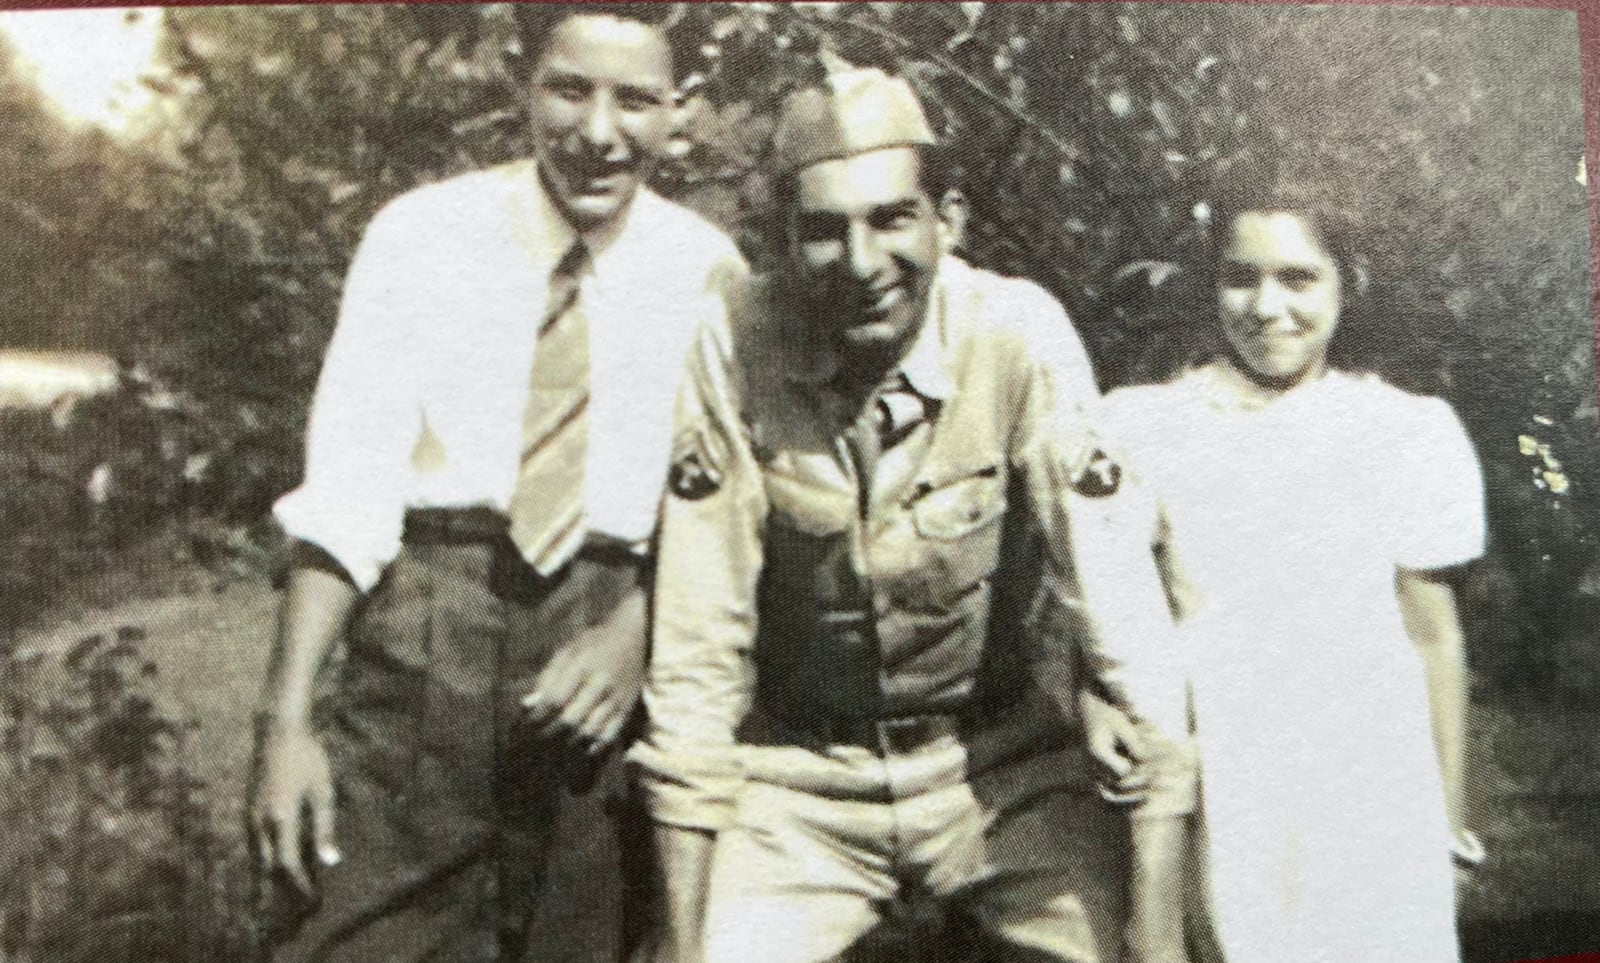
{"x": 88, "y": 63}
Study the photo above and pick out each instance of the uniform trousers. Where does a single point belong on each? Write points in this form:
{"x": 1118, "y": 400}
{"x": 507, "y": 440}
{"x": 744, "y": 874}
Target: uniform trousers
{"x": 447, "y": 803}
{"x": 824, "y": 842}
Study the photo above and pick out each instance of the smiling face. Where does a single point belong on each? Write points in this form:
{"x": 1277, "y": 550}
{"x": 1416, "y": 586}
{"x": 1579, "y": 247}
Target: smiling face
{"x": 864, "y": 241}
{"x": 601, "y": 111}
{"x": 1278, "y": 295}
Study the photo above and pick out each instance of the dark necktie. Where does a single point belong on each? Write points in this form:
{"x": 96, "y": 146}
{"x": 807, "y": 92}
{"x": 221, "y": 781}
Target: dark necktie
{"x": 892, "y": 414}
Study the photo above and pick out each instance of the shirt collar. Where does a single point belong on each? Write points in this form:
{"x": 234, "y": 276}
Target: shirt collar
{"x": 552, "y": 235}
{"x": 924, "y": 367}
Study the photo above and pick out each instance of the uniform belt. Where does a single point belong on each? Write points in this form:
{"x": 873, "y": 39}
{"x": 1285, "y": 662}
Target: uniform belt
{"x": 882, "y": 736}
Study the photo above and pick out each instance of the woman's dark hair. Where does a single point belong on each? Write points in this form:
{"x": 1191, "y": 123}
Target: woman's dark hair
{"x": 1333, "y": 225}
{"x": 1363, "y": 341}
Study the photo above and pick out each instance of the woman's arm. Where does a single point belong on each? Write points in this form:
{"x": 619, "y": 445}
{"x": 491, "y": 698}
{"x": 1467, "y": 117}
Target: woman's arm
{"x": 1428, "y": 605}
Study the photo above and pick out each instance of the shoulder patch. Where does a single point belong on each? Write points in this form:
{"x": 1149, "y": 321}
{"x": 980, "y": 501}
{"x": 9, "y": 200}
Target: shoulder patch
{"x": 697, "y": 464}
{"x": 1100, "y": 478}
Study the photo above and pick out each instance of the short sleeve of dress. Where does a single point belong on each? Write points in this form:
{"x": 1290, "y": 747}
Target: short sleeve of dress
{"x": 1441, "y": 522}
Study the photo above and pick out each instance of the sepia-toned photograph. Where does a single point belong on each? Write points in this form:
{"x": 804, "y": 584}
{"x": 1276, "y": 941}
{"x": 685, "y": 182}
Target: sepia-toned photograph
{"x": 799, "y": 482}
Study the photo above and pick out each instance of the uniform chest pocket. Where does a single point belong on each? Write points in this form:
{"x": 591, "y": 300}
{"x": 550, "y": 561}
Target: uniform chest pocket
{"x": 956, "y": 508}
{"x": 957, "y": 526}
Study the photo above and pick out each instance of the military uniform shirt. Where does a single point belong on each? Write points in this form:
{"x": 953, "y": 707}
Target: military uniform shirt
{"x": 752, "y": 452}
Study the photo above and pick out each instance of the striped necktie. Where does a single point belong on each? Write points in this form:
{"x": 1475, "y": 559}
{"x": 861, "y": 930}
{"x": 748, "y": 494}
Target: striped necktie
{"x": 547, "y": 505}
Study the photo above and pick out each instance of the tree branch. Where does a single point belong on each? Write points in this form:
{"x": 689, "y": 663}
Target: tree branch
{"x": 1019, "y": 114}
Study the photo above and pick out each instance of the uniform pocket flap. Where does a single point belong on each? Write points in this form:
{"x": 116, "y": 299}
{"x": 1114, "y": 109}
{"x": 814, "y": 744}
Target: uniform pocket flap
{"x": 961, "y": 506}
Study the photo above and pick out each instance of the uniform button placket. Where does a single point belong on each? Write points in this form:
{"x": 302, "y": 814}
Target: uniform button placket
{"x": 890, "y": 759}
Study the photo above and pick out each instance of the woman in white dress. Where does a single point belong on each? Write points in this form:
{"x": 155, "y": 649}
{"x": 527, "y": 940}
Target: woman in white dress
{"x": 1310, "y": 520}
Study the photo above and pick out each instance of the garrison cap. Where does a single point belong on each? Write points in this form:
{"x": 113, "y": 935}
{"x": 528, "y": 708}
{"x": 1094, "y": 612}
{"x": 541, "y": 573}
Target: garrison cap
{"x": 855, "y": 111}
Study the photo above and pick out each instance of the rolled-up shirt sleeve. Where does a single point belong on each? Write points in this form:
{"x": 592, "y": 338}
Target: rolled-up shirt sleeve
{"x": 1100, "y": 525}
{"x": 710, "y": 555}
{"x": 365, "y": 417}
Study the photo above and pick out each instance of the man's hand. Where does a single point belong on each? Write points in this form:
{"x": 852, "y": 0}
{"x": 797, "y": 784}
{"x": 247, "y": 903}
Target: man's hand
{"x": 1116, "y": 743}
{"x": 589, "y": 688}
{"x": 295, "y": 776}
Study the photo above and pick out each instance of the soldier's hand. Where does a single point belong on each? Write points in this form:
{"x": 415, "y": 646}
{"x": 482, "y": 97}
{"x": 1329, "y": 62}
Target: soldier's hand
{"x": 295, "y": 785}
{"x": 590, "y": 687}
{"x": 1116, "y": 743}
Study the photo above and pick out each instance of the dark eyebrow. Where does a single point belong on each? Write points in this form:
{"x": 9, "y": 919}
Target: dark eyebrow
{"x": 557, "y": 76}
{"x": 805, "y": 215}
{"x": 644, "y": 90}
{"x": 896, "y": 208}
{"x": 654, "y": 94}
{"x": 816, "y": 225}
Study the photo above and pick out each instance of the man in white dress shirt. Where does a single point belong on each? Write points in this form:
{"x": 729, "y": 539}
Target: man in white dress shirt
{"x": 486, "y": 451}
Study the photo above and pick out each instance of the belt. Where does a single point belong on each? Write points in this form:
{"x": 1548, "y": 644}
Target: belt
{"x": 455, "y": 526}
{"x": 882, "y": 736}
{"x": 479, "y": 524}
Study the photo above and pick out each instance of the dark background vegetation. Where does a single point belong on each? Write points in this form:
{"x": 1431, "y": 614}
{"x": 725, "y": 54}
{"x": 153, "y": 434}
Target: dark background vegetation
{"x": 207, "y": 260}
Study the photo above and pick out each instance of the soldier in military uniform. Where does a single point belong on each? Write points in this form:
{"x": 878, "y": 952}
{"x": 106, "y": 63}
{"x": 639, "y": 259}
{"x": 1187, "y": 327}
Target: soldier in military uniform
{"x": 885, "y": 509}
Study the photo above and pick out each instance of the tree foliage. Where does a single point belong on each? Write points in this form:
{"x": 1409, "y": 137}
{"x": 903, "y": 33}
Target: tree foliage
{"x": 76, "y": 224}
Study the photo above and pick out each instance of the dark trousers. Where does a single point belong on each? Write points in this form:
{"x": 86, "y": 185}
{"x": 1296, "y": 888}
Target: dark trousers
{"x": 448, "y": 806}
